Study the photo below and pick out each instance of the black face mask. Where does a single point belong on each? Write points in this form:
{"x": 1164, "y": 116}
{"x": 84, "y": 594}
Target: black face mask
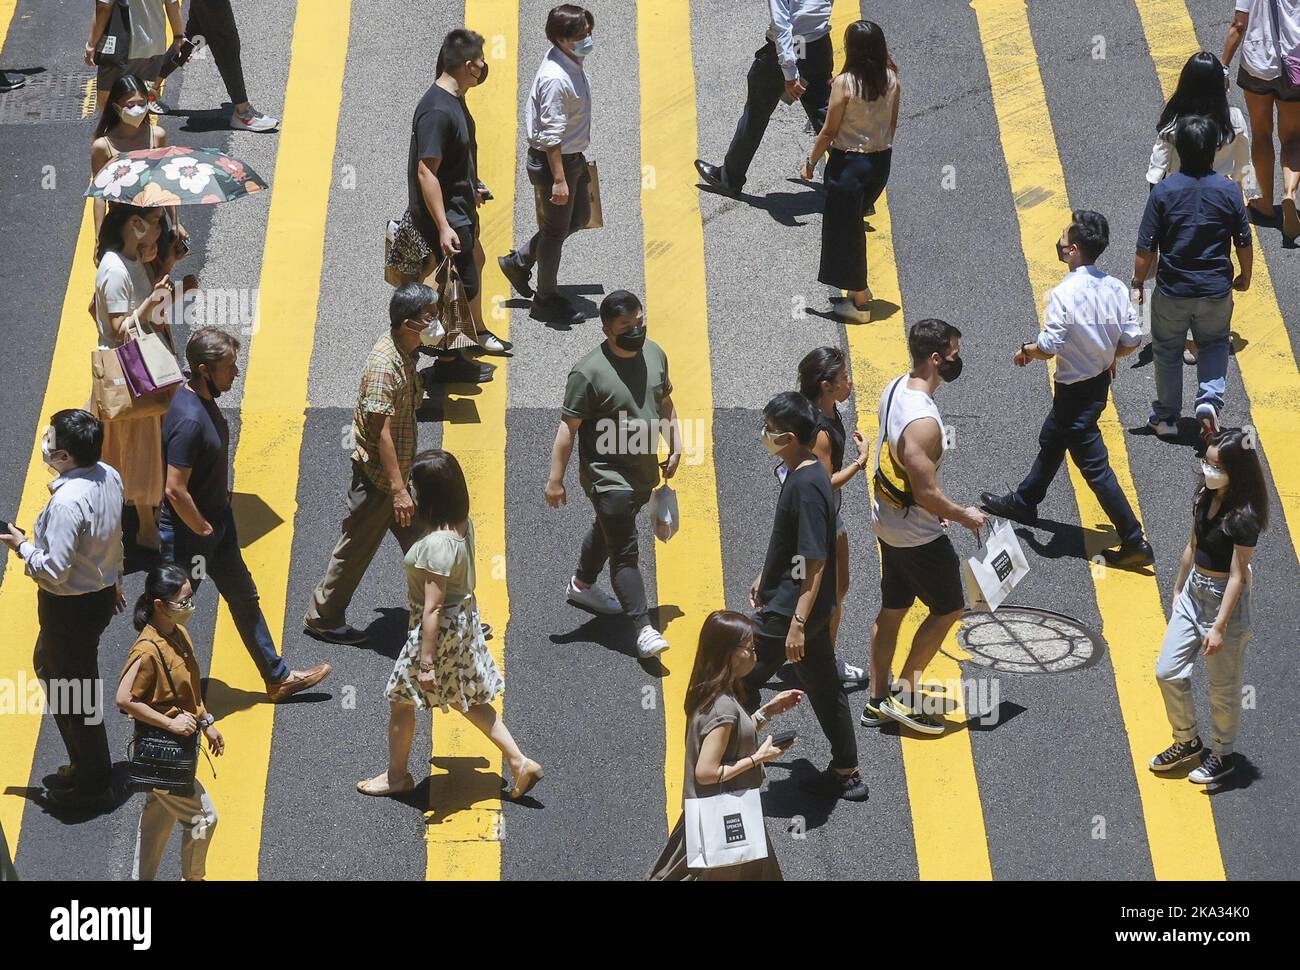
{"x": 634, "y": 339}
{"x": 212, "y": 388}
{"x": 482, "y": 78}
{"x": 950, "y": 370}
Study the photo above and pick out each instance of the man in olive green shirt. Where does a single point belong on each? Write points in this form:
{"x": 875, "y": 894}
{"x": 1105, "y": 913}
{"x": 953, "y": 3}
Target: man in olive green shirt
{"x": 617, "y": 402}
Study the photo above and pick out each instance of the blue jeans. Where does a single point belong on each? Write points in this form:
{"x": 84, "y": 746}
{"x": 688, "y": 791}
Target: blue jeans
{"x": 1209, "y": 319}
{"x": 218, "y": 556}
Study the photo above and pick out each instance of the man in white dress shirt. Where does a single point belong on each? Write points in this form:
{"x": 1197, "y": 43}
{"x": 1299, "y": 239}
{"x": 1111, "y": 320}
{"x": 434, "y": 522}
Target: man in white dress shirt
{"x": 75, "y": 557}
{"x": 1091, "y": 323}
{"x": 559, "y": 130}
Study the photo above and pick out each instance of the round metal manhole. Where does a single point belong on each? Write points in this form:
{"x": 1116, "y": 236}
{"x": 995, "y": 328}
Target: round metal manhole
{"x": 1026, "y": 640}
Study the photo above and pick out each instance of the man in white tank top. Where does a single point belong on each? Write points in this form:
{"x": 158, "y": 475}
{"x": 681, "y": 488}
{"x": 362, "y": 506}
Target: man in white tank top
{"x": 910, "y": 513}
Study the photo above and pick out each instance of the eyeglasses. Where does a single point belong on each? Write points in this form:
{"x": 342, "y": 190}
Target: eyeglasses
{"x": 184, "y": 604}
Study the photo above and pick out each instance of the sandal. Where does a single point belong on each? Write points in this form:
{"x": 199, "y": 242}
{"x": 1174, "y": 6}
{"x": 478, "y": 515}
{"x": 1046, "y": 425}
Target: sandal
{"x": 527, "y": 777}
{"x": 379, "y": 786}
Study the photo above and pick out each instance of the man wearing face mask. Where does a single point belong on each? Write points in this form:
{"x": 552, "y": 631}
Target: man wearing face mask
{"x": 198, "y": 523}
{"x": 911, "y": 513}
{"x": 795, "y": 596}
{"x": 559, "y": 131}
{"x": 443, "y": 190}
{"x": 617, "y": 403}
{"x": 75, "y": 557}
{"x": 384, "y": 429}
{"x": 1090, "y": 325}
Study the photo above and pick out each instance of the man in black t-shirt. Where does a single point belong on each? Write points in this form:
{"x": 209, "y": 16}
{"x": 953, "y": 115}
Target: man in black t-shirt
{"x": 197, "y": 523}
{"x": 795, "y": 594}
{"x": 442, "y": 184}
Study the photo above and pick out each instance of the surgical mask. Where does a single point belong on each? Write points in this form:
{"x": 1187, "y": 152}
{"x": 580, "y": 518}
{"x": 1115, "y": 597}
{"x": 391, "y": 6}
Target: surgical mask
{"x": 433, "y": 334}
{"x": 583, "y": 47}
{"x": 47, "y": 450}
{"x": 181, "y": 612}
{"x": 132, "y": 116}
{"x": 950, "y": 370}
{"x": 1215, "y": 478}
{"x": 634, "y": 339}
{"x": 770, "y": 443}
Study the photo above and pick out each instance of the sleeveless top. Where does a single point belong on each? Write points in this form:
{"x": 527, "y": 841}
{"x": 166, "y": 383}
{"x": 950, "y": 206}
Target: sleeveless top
{"x": 834, "y": 428}
{"x": 868, "y": 126}
{"x": 903, "y": 528}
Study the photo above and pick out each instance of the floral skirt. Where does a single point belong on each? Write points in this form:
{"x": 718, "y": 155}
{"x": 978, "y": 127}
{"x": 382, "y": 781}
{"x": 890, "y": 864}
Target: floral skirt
{"x": 466, "y": 673}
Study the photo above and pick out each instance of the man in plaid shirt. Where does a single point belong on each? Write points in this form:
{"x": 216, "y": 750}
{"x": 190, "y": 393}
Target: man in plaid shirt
{"x": 383, "y": 428}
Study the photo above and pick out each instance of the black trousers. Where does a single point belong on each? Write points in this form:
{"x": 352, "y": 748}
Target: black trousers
{"x": 215, "y": 21}
{"x": 817, "y": 673}
{"x": 558, "y": 222}
{"x": 853, "y": 182}
{"x": 765, "y": 85}
{"x": 612, "y": 538}
{"x": 67, "y": 650}
{"x": 1071, "y": 426}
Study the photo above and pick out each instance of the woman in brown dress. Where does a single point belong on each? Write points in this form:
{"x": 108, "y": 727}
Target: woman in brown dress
{"x": 723, "y": 753}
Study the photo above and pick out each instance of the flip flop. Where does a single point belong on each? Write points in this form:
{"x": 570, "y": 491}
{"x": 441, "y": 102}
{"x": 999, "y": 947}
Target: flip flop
{"x": 379, "y": 787}
{"x": 1290, "y": 219}
{"x": 529, "y": 776}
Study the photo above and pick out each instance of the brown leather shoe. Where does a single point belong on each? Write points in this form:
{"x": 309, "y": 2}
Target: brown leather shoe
{"x": 298, "y": 680}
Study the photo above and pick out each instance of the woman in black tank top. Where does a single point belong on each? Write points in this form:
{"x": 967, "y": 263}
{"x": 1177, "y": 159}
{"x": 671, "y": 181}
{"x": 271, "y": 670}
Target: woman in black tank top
{"x": 1211, "y": 610}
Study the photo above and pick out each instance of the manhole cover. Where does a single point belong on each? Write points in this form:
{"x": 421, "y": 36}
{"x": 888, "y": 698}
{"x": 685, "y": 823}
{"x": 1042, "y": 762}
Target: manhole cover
{"x": 1025, "y": 640}
{"x": 50, "y": 97}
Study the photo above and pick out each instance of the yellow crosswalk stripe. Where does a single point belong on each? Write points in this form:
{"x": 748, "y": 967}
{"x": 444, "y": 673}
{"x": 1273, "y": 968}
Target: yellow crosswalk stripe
{"x": 272, "y": 416}
{"x": 1179, "y": 822}
{"x": 1268, "y": 365}
{"x": 463, "y": 827}
{"x": 947, "y": 815}
{"x": 688, "y": 569}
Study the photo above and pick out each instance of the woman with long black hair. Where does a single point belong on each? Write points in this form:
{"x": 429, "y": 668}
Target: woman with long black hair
{"x": 723, "y": 753}
{"x": 859, "y": 131}
{"x": 1211, "y": 610}
{"x": 124, "y": 126}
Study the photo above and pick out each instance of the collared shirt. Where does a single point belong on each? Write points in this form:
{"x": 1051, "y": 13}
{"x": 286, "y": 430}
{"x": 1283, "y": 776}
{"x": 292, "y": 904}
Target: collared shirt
{"x": 1089, "y": 316}
{"x": 559, "y": 105}
{"x": 808, "y": 20}
{"x": 76, "y": 544}
{"x": 1194, "y": 222}
{"x": 390, "y": 385}
{"x": 151, "y": 687}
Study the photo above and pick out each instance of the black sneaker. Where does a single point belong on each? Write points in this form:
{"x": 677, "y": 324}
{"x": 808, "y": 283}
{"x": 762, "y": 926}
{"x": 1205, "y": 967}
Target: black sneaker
{"x": 711, "y": 175}
{"x": 11, "y": 82}
{"x": 64, "y": 777}
{"x": 79, "y": 798}
{"x": 1008, "y": 507}
{"x": 516, "y": 274}
{"x": 1178, "y": 753}
{"x": 1130, "y": 555}
{"x": 555, "y": 309}
{"x": 1213, "y": 769}
{"x": 830, "y": 782}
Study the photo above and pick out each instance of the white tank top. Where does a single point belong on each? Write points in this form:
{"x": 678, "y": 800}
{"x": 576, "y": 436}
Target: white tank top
{"x": 915, "y": 526}
{"x": 867, "y": 126}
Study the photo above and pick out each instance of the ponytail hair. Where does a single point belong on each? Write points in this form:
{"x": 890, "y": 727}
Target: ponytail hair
{"x": 822, "y": 364}
{"x": 163, "y": 582}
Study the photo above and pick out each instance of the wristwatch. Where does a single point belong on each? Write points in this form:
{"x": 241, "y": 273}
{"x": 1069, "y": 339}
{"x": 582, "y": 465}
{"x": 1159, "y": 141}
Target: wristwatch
{"x": 801, "y": 620}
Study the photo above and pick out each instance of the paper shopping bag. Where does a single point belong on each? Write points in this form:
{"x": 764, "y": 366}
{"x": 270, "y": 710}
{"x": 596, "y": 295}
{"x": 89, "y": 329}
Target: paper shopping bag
{"x": 453, "y": 306}
{"x": 995, "y": 570}
{"x": 664, "y": 515}
{"x": 147, "y": 364}
{"x": 596, "y": 216}
{"x": 724, "y": 830}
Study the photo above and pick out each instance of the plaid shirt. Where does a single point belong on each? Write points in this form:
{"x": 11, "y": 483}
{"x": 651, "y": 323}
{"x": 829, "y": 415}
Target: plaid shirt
{"x": 389, "y": 385}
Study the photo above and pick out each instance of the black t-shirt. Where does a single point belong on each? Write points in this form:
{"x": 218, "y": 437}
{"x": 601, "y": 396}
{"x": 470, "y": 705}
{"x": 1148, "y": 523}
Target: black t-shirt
{"x": 443, "y": 129}
{"x": 195, "y": 435}
{"x": 1215, "y": 537}
{"x": 804, "y": 530}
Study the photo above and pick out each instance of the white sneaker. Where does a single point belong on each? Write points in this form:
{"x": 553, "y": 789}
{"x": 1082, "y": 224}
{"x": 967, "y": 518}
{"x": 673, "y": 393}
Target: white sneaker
{"x": 849, "y": 674}
{"x": 595, "y": 599}
{"x": 650, "y": 643}
{"x": 254, "y": 122}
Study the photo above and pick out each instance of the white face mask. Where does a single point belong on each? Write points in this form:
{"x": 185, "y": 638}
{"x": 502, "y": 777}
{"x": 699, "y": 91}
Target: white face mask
{"x": 133, "y": 115}
{"x": 47, "y": 449}
{"x": 1215, "y": 478}
{"x": 770, "y": 442}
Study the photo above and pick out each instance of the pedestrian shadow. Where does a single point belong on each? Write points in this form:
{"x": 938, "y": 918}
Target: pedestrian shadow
{"x": 1188, "y": 436}
{"x": 992, "y": 720}
{"x": 794, "y": 798}
{"x": 221, "y": 699}
{"x": 38, "y": 796}
{"x": 786, "y": 208}
{"x": 465, "y": 786}
{"x": 254, "y": 517}
{"x": 614, "y": 633}
{"x": 202, "y": 120}
{"x": 1068, "y": 541}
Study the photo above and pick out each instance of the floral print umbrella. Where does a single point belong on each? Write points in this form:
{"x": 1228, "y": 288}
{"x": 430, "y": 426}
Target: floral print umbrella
{"x": 174, "y": 176}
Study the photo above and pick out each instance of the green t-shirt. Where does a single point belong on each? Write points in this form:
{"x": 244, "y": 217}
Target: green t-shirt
{"x": 443, "y": 554}
{"x": 618, "y": 400}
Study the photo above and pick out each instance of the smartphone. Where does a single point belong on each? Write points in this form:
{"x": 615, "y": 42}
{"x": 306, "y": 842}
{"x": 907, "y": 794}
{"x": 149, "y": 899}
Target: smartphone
{"x": 182, "y": 247}
{"x": 784, "y": 739}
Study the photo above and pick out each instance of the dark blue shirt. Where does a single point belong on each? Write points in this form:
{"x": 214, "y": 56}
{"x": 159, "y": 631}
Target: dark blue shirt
{"x": 195, "y": 435}
{"x": 1194, "y": 222}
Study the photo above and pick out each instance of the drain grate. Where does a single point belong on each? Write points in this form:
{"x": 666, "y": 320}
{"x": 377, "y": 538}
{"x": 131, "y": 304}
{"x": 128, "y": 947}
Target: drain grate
{"x": 50, "y": 97}
{"x": 1026, "y": 640}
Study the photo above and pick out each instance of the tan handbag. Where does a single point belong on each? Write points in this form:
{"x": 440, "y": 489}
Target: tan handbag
{"x": 596, "y": 219}
{"x": 454, "y": 308}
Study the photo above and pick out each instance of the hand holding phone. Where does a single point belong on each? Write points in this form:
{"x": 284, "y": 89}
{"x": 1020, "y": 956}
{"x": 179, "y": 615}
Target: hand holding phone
{"x": 784, "y": 739}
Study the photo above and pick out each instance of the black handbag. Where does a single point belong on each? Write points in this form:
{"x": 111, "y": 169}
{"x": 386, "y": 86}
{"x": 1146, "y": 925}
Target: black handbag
{"x": 161, "y": 759}
{"x": 114, "y": 48}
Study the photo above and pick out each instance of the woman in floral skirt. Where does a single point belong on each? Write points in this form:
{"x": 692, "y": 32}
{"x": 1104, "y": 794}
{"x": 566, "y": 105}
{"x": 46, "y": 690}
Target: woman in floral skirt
{"x": 445, "y": 662}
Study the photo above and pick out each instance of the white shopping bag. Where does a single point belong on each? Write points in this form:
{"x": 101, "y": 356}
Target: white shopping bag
{"x": 725, "y": 830}
{"x": 663, "y": 512}
{"x": 996, "y": 569}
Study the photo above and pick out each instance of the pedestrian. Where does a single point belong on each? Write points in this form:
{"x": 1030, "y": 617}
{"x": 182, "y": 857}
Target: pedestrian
{"x": 148, "y": 48}
{"x": 197, "y": 521}
{"x": 443, "y": 189}
{"x": 824, "y": 380}
{"x": 161, "y": 686}
{"x": 794, "y": 64}
{"x": 1211, "y": 608}
{"x": 1091, "y": 323}
{"x": 1270, "y": 30}
{"x": 385, "y": 433}
{"x": 75, "y": 557}
{"x": 212, "y": 23}
{"x": 1203, "y": 90}
{"x": 723, "y": 753}
{"x": 558, "y": 127}
{"x": 127, "y": 304}
{"x": 445, "y": 662}
{"x": 795, "y": 597}
{"x": 1192, "y": 218}
{"x": 859, "y": 131}
{"x": 124, "y": 126}
{"x": 617, "y": 404}
{"x": 911, "y": 513}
